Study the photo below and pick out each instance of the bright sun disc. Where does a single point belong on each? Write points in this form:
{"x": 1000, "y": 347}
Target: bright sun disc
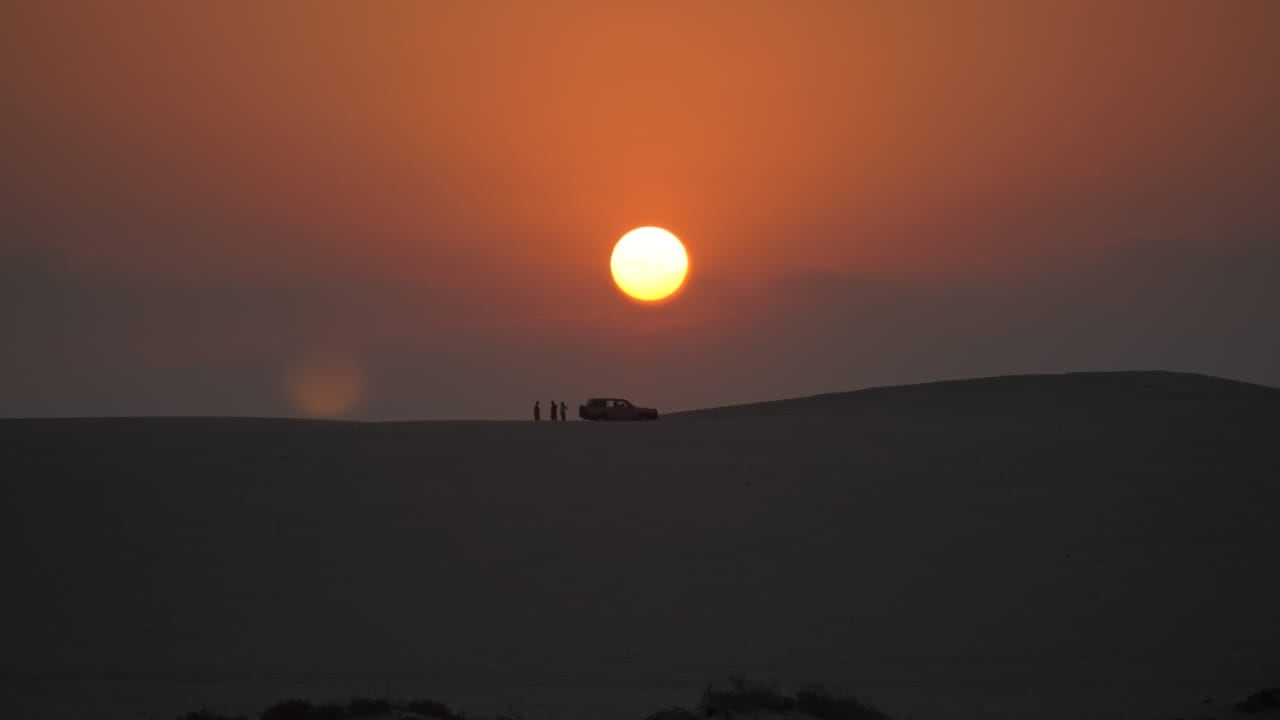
{"x": 649, "y": 264}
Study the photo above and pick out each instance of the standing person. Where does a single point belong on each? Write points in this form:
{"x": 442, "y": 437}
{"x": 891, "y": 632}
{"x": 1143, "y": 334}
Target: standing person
{"x": 564, "y": 412}
{"x": 553, "y": 411}
{"x": 537, "y": 411}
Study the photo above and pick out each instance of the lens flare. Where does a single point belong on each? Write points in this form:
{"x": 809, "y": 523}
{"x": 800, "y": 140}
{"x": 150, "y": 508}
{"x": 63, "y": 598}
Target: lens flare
{"x": 325, "y": 383}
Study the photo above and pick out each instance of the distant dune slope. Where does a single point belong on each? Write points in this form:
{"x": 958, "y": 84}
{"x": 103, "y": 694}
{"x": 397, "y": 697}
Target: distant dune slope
{"x": 1134, "y": 391}
{"x": 1070, "y": 546}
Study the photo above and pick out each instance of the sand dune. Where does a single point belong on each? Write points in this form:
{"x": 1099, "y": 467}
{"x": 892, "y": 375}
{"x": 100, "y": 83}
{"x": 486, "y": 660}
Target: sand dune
{"x": 1087, "y": 545}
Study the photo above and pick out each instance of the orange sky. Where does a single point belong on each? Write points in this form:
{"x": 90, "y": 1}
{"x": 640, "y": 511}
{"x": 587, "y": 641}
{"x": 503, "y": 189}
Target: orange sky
{"x": 476, "y": 160}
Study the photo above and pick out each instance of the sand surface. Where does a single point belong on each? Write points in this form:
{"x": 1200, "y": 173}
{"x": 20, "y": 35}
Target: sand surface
{"x": 1079, "y": 546}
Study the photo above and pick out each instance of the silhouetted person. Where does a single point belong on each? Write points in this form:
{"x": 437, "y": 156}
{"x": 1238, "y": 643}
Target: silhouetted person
{"x": 537, "y": 411}
{"x": 553, "y": 411}
{"x": 564, "y": 412}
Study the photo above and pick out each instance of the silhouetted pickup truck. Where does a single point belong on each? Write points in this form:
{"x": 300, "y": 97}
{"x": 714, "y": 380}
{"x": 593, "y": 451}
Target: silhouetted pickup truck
{"x": 614, "y": 409}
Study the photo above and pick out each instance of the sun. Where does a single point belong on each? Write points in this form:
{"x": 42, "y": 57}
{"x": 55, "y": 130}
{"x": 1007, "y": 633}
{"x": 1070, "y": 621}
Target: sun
{"x": 649, "y": 264}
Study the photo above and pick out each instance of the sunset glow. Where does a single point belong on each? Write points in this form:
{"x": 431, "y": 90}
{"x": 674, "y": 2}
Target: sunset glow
{"x": 649, "y": 264}
{"x": 577, "y": 357}
{"x": 198, "y": 195}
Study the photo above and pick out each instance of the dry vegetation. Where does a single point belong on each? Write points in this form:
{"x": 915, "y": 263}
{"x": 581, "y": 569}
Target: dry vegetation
{"x": 739, "y": 697}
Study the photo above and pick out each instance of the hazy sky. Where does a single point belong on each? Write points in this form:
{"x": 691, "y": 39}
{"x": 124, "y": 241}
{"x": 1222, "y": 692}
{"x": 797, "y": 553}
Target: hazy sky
{"x": 210, "y": 207}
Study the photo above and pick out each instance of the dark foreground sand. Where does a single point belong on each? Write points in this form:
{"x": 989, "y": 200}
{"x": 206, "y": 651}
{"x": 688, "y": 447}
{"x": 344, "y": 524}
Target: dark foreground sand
{"x": 1101, "y": 545}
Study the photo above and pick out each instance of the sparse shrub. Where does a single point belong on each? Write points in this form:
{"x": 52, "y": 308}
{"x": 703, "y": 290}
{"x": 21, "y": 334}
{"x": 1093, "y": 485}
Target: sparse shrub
{"x": 328, "y": 712}
{"x": 743, "y": 696}
{"x": 675, "y": 713}
{"x": 740, "y": 696}
{"x": 288, "y": 710}
{"x": 206, "y": 715}
{"x": 1261, "y": 701}
{"x": 818, "y": 702}
{"x": 367, "y": 707}
{"x": 433, "y": 709}
{"x": 303, "y": 710}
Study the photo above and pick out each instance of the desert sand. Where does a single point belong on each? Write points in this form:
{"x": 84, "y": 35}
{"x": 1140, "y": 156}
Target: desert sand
{"x": 1100, "y": 545}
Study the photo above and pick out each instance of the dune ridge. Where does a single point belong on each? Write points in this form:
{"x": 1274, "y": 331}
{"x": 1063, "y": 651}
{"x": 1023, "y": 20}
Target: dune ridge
{"x": 1067, "y": 390}
{"x": 959, "y": 550}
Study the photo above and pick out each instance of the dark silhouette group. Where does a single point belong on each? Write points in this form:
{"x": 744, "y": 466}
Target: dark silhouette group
{"x": 560, "y": 413}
